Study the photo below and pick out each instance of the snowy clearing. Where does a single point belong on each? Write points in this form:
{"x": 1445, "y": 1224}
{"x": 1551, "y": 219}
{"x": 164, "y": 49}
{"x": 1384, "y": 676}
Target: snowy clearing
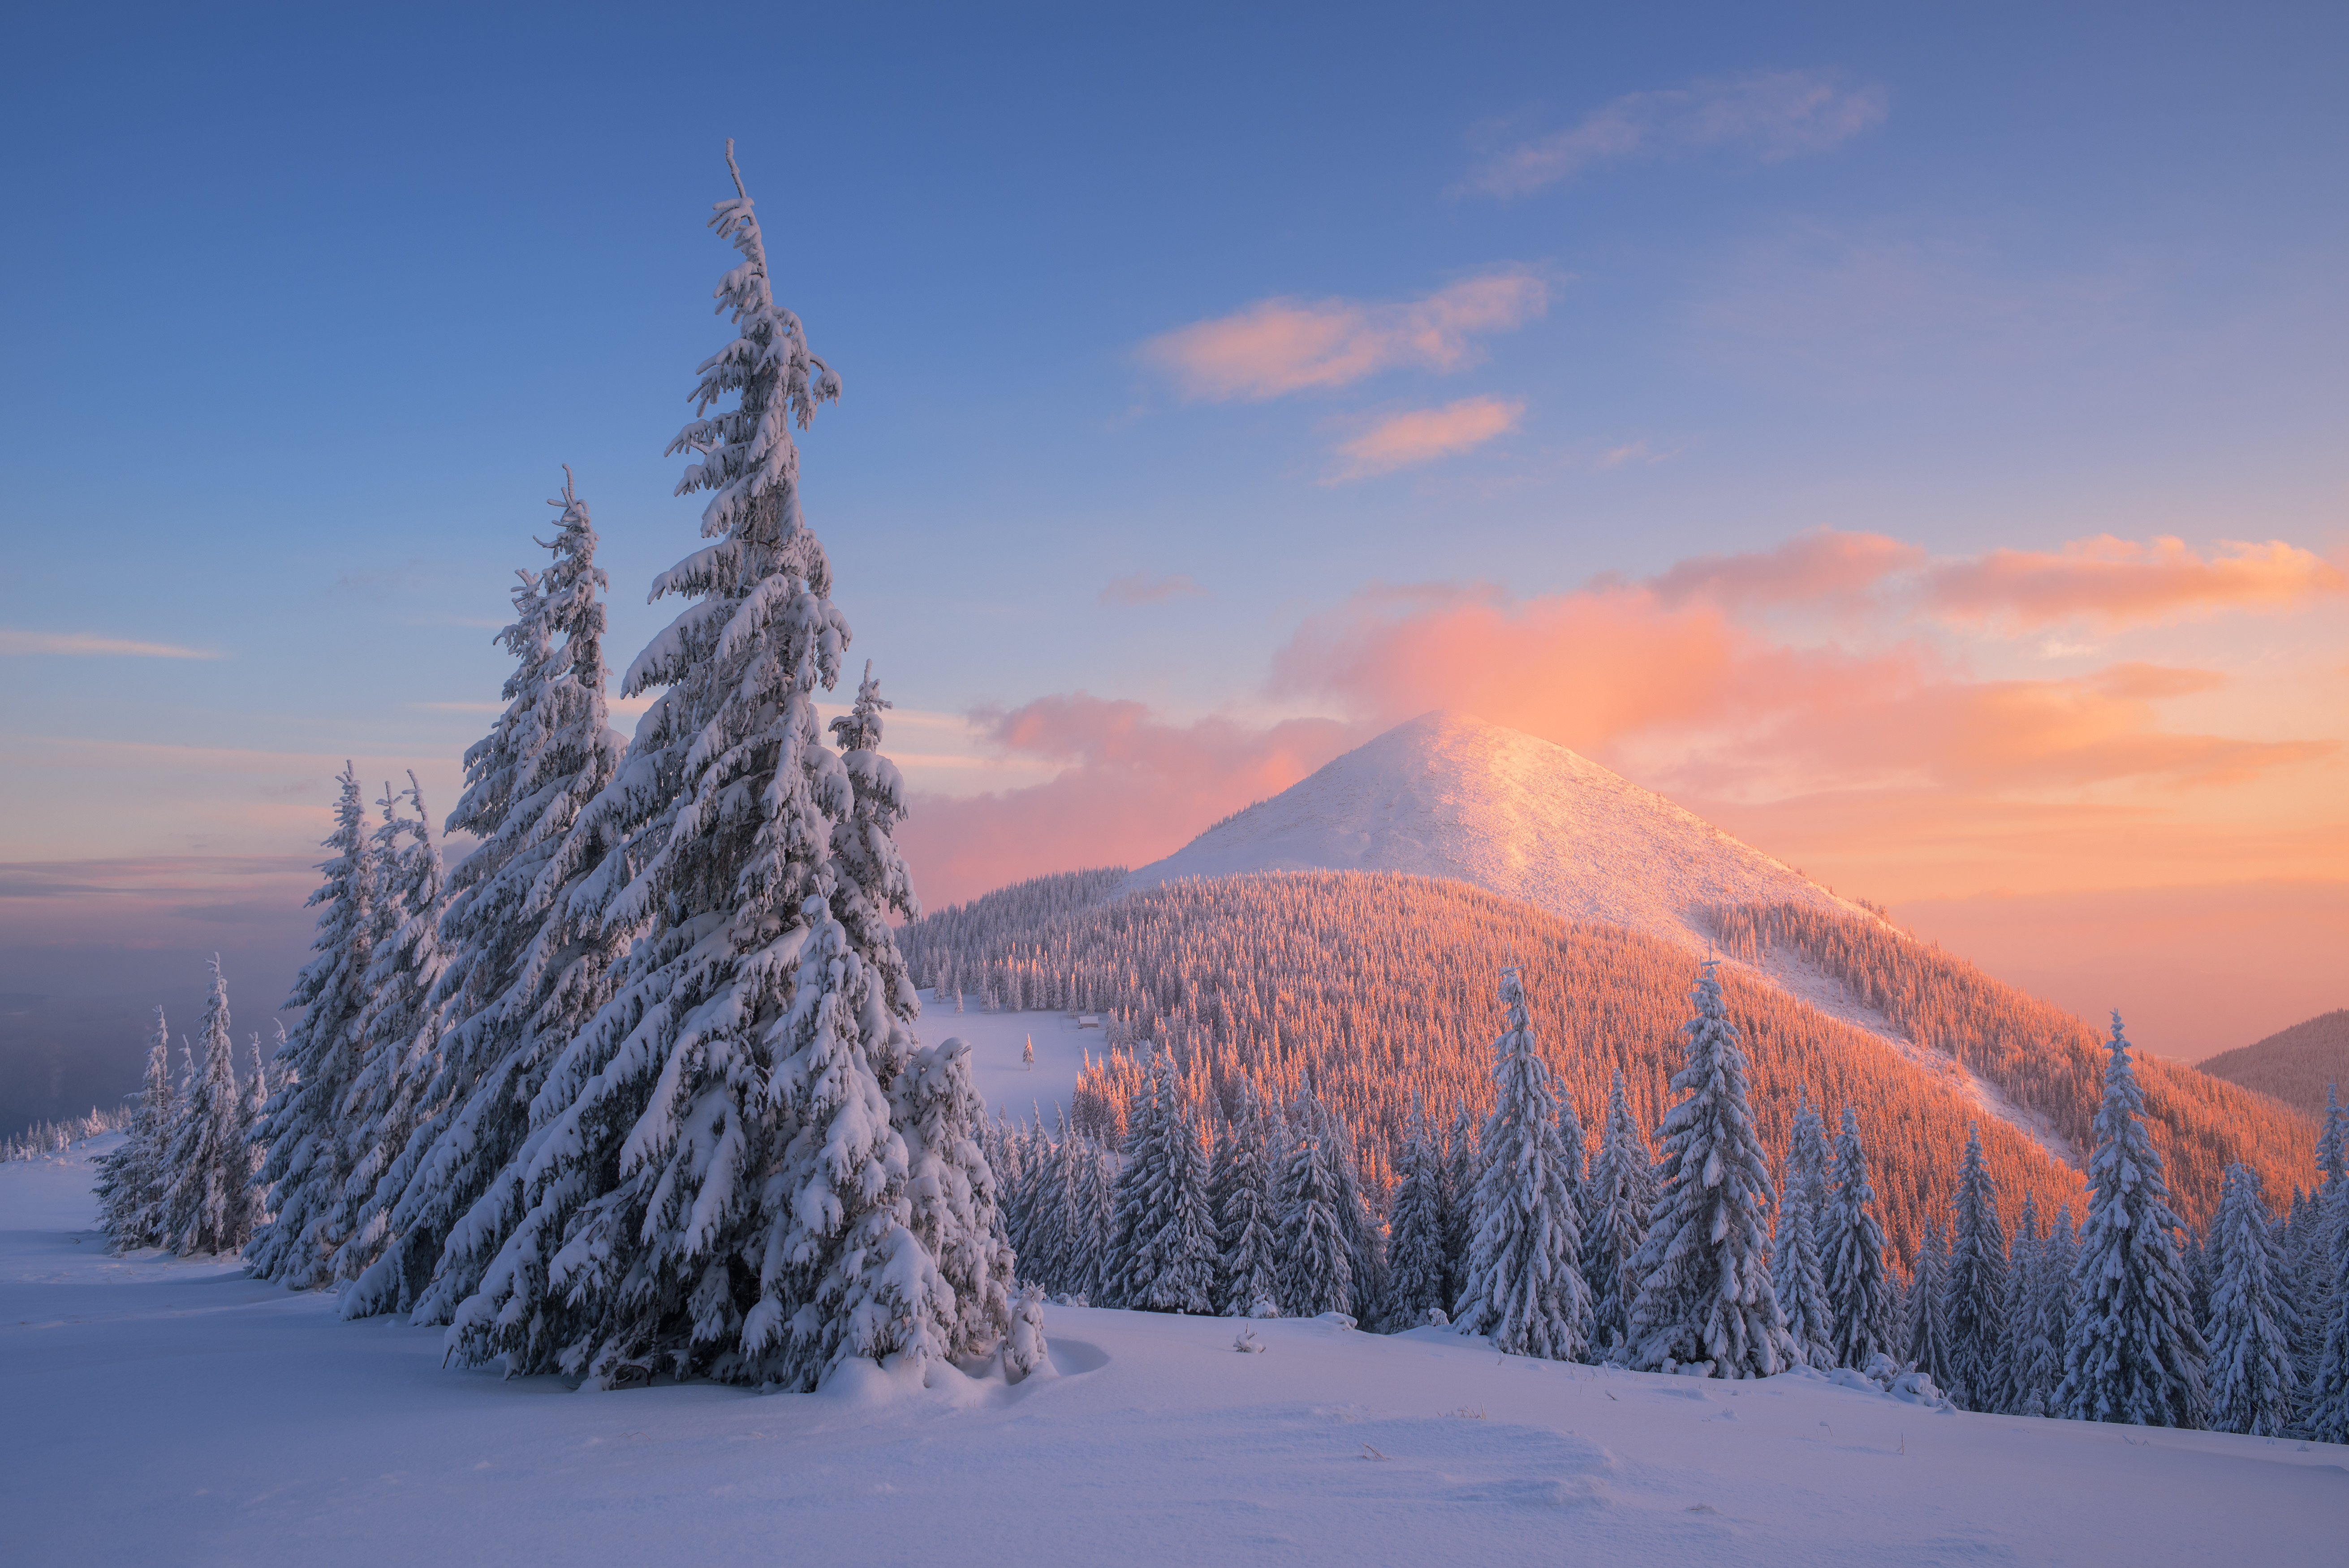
{"x": 177, "y": 1412}
{"x": 996, "y": 1040}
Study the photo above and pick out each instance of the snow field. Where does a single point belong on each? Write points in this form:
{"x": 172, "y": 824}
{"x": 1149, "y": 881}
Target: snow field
{"x": 995, "y": 1041}
{"x": 170, "y": 1411}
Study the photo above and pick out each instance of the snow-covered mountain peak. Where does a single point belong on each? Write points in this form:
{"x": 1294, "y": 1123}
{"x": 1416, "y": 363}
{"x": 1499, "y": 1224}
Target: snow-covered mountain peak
{"x": 1449, "y": 795}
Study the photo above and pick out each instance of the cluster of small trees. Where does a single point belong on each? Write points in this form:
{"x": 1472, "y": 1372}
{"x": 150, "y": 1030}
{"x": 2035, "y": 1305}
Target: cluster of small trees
{"x": 633, "y": 1090}
{"x": 1671, "y": 1260}
{"x": 184, "y": 1177}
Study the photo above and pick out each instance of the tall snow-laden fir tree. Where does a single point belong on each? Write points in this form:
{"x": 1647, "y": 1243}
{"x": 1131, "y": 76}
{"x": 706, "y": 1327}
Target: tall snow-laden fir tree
{"x": 207, "y": 1203}
{"x": 2324, "y": 1405}
{"x": 309, "y": 1160}
{"x": 131, "y": 1181}
{"x": 1974, "y": 1294}
{"x": 1859, "y": 1290}
{"x": 1617, "y": 1198}
{"x": 1415, "y": 1226}
{"x": 1317, "y": 1268}
{"x": 1796, "y": 1270}
{"x": 2133, "y": 1354}
{"x": 388, "y": 1106}
{"x": 1365, "y": 1244}
{"x": 525, "y": 975}
{"x": 1705, "y": 1295}
{"x": 1165, "y": 1245}
{"x": 715, "y": 1180}
{"x": 1925, "y": 1328}
{"x": 1526, "y": 1290}
{"x": 2252, "y": 1317}
{"x": 1245, "y": 1218}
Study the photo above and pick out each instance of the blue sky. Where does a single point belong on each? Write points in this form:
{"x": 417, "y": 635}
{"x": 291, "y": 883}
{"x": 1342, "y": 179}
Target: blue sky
{"x": 303, "y": 307}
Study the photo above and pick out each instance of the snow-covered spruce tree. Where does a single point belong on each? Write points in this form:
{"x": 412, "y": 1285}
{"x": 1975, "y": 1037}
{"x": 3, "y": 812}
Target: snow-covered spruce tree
{"x": 1925, "y": 1325}
{"x": 2039, "y": 1368}
{"x": 2252, "y": 1376}
{"x": 130, "y": 1185}
{"x": 2325, "y": 1402}
{"x": 1245, "y": 1217}
{"x": 1974, "y": 1294}
{"x": 1317, "y": 1270}
{"x": 715, "y": 1179}
{"x": 401, "y": 1026}
{"x": 2308, "y": 1263}
{"x": 524, "y": 976}
{"x": 2133, "y": 1354}
{"x": 308, "y": 1157}
{"x": 1165, "y": 1245}
{"x": 207, "y": 1202}
{"x": 1365, "y": 1246}
{"x": 1617, "y": 1198}
{"x": 1704, "y": 1269}
{"x": 1461, "y": 1167}
{"x": 1415, "y": 1226}
{"x": 1795, "y": 1271}
{"x": 1859, "y": 1290}
{"x": 951, "y": 1202}
{"x": 2022, "y": 1283}
{"x": 1525, "y": 1289}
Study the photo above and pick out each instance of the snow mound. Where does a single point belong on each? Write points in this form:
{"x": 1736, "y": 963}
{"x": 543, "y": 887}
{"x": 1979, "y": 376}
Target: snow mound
{"x": 1446, "y": 795}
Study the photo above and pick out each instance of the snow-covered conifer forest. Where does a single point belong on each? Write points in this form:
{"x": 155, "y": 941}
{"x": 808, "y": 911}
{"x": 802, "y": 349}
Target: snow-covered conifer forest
{"x": 638, "y": 1093}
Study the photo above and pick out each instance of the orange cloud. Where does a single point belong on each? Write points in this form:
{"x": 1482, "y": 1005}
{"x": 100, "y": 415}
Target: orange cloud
{"x": 1423, "y": 435}
{"x": 2120, "y": 580}
{"x": 1282, "y": 345}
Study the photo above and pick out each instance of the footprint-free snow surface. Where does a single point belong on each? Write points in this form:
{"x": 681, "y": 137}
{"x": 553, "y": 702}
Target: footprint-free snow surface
{"x": 177, "y": 1412}
{"x": 1445, "y": 795}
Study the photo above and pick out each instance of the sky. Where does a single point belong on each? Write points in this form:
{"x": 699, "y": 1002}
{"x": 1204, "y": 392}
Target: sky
{"x": 1912, "y": 440}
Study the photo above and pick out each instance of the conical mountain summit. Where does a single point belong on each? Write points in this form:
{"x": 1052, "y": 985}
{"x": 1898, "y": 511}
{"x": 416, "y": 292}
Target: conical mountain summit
{"x": 1449, "y": 795}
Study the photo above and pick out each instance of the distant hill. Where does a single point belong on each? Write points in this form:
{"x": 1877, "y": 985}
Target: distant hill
{"x": 2294, "y": 1065}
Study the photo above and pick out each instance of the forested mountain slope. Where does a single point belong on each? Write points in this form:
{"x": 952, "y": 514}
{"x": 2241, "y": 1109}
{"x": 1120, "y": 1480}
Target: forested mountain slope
{"x": 2038, "y": 1057}
{"x": 1379, "y": 987}
{"x": 1445, "y": 795}
{"x": 2296, "y": 1065}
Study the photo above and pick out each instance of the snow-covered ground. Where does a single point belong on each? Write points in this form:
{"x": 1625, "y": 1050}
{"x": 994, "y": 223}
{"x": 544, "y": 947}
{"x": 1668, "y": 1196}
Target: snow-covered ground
{"x": 996, "y": 1042}
{"x": 171, "y": 1412}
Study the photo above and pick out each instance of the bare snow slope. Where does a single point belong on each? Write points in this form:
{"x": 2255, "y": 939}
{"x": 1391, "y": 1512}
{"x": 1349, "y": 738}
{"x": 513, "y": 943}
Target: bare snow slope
{"x": 172, "y": 1411}
{"x": 1446, "y": 795}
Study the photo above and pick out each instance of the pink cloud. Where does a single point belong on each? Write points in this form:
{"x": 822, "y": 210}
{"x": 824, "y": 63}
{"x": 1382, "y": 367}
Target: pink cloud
{"x": 1821, "y": 567}
{"x": 1132, "y": 787}
{"x": 1282, "y": 345}
{"x": 1150, "y": 588}
{"x": 86, "y": 643}
{"x": 1598, "y": 667}
{"x": 1423, "y": 435}
{"x": 2121, "y": 580}
{"x": 1772, "y": 115}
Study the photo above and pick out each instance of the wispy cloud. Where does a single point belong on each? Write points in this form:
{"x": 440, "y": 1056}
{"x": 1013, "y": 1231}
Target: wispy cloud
{"x": 91, "y": 643}
{"x": 1279, "y": 346}
{"x": 1150, "y": 588}
{"x": 1423, "y": 435}
{"x": 2117, "y": 581}
{"x": 1771, "y": 116}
